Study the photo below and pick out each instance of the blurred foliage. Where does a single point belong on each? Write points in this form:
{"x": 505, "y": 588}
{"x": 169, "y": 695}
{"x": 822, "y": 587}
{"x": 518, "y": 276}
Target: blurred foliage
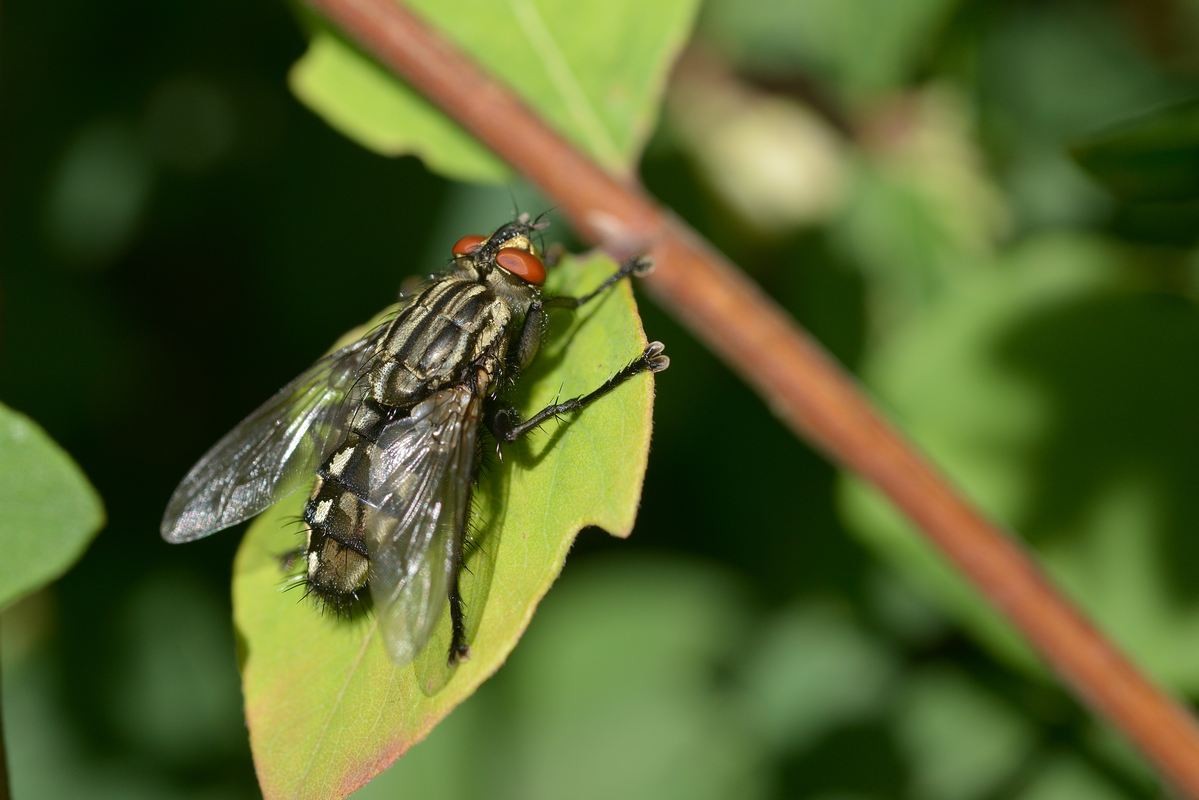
{"x": 998, "y": 382}
{"x": 1150, "y": 165}
{"x": 50, "y": 510}
{"x": 998, "y": 237}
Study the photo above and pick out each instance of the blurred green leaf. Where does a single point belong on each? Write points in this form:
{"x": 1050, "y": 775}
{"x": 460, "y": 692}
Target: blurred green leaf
{"x": 1056, "y": 393}
{"x": 1151, "y": 157}
{"x": 1104, "y": 744}
{"x": 150, "y": 713}
{"x": 1150, "y": 164}
{"x": 1034, "y": 59}
{"x": 594, "y": 70}
{"x": 52, "y": 754}
{"x": 1030, "y": 63}
{"x": 173, "y": 692}
{"x": 625, "y": 665}
{"x": 327, "y": 709}
{"x": 961, "y": 741}
{"x": 924, "y": 210}
{"x": 814, "y": 669}
{"x": 99, "y": 194}
{"x": 862, "y": 47}
{"x": 1066, "y": 775}
{"x": 964, "y": 736}
{"x": 775, "y": 162}
{"x": 50, "y": 510}
{"x": 648, "y": 640}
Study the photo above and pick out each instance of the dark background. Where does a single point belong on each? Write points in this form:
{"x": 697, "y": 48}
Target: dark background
{"x": 994, "y": 221}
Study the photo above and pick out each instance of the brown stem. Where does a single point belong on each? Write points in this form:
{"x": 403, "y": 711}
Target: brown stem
{"x": 802, "y": 384}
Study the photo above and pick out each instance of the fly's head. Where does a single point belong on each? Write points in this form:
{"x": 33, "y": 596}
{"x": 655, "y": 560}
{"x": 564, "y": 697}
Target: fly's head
{"x": 508, "y": 258}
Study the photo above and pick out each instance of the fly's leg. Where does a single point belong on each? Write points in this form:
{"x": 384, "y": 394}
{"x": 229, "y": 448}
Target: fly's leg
{"x": 634, "y": 267}
{"x": 505, "y": 425}
{"x": 459, "y": 649}
{"x": 535, "y": 320}
{"x": 458, "y": 646}
{"x": 503, "y": 421}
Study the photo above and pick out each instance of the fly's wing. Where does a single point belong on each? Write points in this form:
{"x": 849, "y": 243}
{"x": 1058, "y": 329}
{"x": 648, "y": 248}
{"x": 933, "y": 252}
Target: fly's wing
{"x": 274, "y": 451}
{"x": 419, "y": 493}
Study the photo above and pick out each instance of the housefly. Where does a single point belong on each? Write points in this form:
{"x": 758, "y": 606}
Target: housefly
{"x": 386, "y": 433}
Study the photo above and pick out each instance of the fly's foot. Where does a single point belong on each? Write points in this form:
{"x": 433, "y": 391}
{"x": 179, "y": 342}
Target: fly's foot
{"x": 637, "y": 266}
{"x": 654, "y": 357}
{"x": 459, "y": 651}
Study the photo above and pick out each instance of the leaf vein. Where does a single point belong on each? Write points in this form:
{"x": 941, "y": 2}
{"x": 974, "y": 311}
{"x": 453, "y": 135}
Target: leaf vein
{"x": 564, "y": 78}
{"x": 345, "y": 686}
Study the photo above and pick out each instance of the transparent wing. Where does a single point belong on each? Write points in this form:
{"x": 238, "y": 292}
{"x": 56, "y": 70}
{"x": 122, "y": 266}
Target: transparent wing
{"x": 420, "y": 492}
{"x": 274, "y": 451}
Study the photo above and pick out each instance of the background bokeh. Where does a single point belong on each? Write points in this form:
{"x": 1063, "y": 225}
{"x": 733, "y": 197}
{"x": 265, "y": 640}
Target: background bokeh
{"x": 987, "y": 210}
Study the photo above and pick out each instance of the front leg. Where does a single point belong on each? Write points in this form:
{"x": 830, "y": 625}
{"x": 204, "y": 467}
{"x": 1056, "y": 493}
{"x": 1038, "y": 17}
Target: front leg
{"x": 635, "y": 267}
{"x": 506, "y": 426}
{"x": 533, "y": 330}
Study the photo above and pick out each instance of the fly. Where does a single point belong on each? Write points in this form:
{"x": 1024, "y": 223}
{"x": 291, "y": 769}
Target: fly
{"x": 385, "y": 434}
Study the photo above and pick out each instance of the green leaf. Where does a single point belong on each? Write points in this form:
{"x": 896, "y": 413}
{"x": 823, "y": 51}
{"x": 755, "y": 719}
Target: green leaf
{"x": 860, "y": 48}
{"x": 961, "y": 740}
{"x": 1054, "y": 388}
{"x": 1149, "y": 157}
{"x": 1067, "y": 775}
{"x": 594, "y": 70}
{"x": 628, "y": 663}
{"x": 1150, "y": 164}
{"x": 813, "y": 670}
{"x": 326, "y": 708}
{"x": 50, "y": 510}
{"x": 923, "y": 210}
{"x": 1027, "y": 71}
{"x": 963, "y": 737}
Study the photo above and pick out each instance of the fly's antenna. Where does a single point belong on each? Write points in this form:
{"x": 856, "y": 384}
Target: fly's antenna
{"x": 540, "y": 222}
{"x": 532, "y": 226}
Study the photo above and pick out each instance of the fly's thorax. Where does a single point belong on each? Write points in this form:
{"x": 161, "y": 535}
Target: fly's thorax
{"x": 435, "y": 340}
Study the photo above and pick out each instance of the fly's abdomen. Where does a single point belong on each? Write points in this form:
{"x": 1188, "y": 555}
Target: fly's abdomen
{"x": 337, "y": 562}
{"x": 337, "y": 565}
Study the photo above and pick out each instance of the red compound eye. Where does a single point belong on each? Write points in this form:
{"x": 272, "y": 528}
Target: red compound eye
{"x": 522, "y": 264}
{"x": 468, "y": 244}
